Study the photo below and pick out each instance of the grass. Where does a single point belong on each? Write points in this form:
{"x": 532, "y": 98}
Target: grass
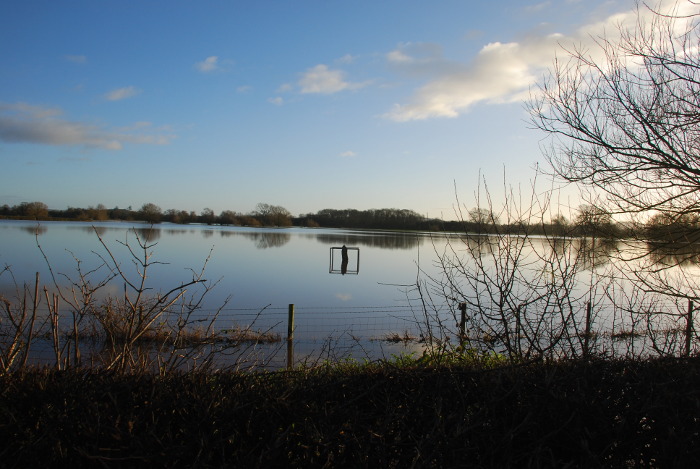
{"x": 238, "y": 334}
{"x": 625, "y": 335}
{"x": 395, "y": 337}
{"x": 192, "y": 337}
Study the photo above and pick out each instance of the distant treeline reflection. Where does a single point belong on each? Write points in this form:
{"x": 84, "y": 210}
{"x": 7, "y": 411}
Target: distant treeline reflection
{"x": 670, "y": 239}
{"x": 595, "y": 251}
{"x": 265, "y": 238}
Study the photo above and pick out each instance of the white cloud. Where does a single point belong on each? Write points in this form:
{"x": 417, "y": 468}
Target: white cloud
{"x": 500, "y": 73}
{"x": 25, "y": 123}
{"x": 122, "y": 93}
{"x": 276, "y": 101}
{"x": 320, "y": 79}
{"x": 347, "y": 154}
{"x": 209, "y": 64}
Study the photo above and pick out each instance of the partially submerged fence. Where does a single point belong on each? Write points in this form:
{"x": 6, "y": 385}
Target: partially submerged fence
{"x": 292, "y": 335}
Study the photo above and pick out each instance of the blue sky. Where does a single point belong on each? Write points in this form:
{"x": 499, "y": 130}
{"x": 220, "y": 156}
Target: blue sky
{"x": 305, "y": 104}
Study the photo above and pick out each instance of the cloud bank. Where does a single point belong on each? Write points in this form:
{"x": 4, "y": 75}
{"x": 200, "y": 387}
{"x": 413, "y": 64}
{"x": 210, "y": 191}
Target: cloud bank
{"x": 25, "y": 123}
{"x": 500, "y": 73}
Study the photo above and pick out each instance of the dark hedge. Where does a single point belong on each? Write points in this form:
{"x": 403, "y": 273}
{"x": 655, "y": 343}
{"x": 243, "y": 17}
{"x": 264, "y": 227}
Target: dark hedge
{"x": 565, "y": 414}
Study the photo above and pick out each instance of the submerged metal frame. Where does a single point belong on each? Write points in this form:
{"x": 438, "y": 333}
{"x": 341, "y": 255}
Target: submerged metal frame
{"x": 333, "y": 269}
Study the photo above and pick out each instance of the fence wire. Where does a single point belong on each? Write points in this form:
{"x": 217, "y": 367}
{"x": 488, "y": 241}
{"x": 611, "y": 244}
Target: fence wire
{"x": 374, "y": 332}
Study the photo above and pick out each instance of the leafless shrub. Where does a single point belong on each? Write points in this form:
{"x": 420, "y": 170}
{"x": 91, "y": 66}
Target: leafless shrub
{"x": 528, "y": 294}
{"x": 137, "y": 331}
{"x": 17, "y": 325}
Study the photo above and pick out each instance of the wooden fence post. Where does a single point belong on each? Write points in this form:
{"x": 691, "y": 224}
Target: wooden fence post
{"x": 587, "y": 335}
{"x": 689, "y": 328}
{"x": 290, "y": 338}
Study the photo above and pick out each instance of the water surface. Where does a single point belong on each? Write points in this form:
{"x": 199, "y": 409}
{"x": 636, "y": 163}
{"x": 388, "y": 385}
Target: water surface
{"x": 258, "y": 272}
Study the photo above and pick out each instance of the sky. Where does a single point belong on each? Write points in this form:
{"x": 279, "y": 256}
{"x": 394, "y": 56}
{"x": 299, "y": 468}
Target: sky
{"x": 223, "y": 104}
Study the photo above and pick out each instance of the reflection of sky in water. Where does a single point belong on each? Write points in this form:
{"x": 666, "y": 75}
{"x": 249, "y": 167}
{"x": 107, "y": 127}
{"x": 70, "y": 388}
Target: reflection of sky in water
{"x": 257, "y": 267}
{"x": 267, "y": 269}
{"x": 260, "y": 269}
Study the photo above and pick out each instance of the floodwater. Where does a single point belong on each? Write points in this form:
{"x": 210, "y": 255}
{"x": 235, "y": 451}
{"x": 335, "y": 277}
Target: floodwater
{"x": 347, "y": 303}
{"x": 256, "y": 267}
{"x": 255, "y": 273}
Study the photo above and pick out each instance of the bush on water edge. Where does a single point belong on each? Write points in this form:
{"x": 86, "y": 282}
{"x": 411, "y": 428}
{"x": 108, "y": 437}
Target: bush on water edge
{"x": 600, "y": 413}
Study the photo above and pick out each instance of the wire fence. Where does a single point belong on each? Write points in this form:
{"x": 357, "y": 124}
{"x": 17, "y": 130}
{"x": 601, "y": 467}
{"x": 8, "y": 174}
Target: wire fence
{"x": 367, "y": 322}
{"x": 373, "y": 332}
{"x": 336, "y": 333}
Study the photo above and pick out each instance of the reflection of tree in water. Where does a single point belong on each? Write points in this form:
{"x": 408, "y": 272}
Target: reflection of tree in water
{"x": 595, "y": 252}
{"x": 481, "y": 245}
{"x": 278, "y": 238}
{"x": 672, "y": 253}
{"x": 149, "y": 234}
{"x": 559, "y": 245}
{"x": 591, "y": 252}
{"x": 145, "y": 233}
{"x": 226, "y": 233}
{"x": 36, "y": 229}
{"x": 271, "y": 239}
{"x": 90, "y": 229}
{"x": 100, "y": 230}
{"x": 385, "y": 241}
{"x": 262, "y": 239}
{"x": 176, "y": 231}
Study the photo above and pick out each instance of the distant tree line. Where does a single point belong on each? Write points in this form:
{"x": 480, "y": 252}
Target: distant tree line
{"x": 385, "y": 218}
{"x": 26, "y": 210}
{"x": 263, "y": 215}
{"x": 589, "y": 220}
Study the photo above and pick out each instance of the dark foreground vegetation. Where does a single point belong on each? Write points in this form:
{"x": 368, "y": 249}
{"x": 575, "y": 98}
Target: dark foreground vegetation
{"x": 560, "y": 414}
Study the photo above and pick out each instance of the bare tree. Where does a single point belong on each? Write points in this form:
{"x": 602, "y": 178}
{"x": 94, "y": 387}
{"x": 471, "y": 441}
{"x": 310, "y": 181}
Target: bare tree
{"x": 151, "y": 213}
{"x": 520, "y": 295}
{"x": 33, "y": 210}
{"x": 273, "y": 215}
{"x": 624, "y": 116}
{"x": 208, "y": 216}
{"x": 482, "y": 216}
{"x": 592, "y": 220}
